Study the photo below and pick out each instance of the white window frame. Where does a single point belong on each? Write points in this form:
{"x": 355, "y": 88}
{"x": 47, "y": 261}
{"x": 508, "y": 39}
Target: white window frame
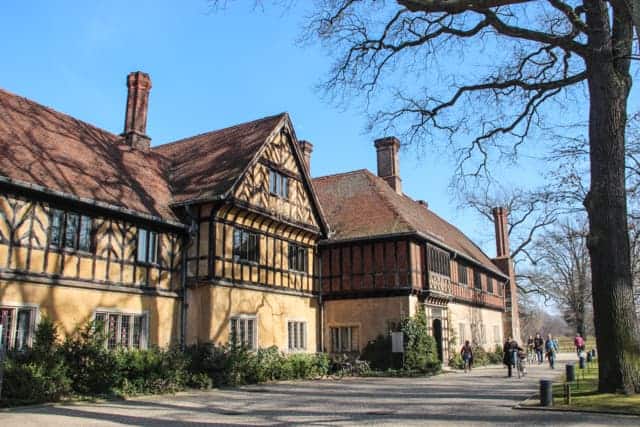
{"x": 151, "y": 255}
{"x": 245, "y": 318}
{"x": 144, "y": 330}
{"x": 297, "y": 342}
{"x": 33, "y": 322}
{"x": 354, "y": 344}
{"x": 462, "y": 330}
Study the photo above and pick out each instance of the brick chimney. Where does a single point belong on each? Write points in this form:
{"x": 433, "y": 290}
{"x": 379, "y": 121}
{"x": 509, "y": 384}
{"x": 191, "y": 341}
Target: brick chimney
{"x": 511, "y": 319}
{"x": 306, "y": 148}
{"x": 502, "y": 231}
{"x": 135, "y": 121}
{"x": 388, "y": 167}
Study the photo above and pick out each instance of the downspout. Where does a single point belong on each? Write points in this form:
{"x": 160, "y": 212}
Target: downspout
{"x": 186, "y": 240}
{"x": 320, "y": 302}
{"x": 183, "y": 280}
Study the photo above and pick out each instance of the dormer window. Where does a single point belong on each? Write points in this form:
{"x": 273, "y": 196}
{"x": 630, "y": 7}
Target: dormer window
{"x": 278, "y": 184}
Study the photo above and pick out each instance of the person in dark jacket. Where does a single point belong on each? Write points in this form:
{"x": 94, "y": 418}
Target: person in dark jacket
{"x": 538, "y": 346}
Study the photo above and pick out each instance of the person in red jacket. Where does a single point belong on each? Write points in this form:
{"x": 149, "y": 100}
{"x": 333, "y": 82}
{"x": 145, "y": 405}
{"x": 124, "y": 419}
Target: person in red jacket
{"x": 579, "y": 343}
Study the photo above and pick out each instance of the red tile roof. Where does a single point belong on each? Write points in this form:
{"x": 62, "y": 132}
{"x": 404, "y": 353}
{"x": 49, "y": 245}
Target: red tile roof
{"x": 47, "y": 148}
{"x": 360, "y": 205}
{"x": 206, "y": 166}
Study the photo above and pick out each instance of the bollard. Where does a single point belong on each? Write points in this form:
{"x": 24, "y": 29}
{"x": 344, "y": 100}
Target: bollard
{"x": 546, "y": 393}
{"x": 567, "y": 394}
{"x": 571, "y": 372}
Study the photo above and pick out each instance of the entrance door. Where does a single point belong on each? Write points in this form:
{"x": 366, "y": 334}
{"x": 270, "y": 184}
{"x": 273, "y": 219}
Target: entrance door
{"x": 437, "y": 335}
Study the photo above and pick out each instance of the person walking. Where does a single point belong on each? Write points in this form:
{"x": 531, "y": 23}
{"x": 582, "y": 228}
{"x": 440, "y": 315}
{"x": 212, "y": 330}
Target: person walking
{"x": 538, "y": 345}
{"x": 510, "y": 350}
{"x": 579, "y": 343}
{"x": 551, "y": 347}
{"x": 467, "y": 356}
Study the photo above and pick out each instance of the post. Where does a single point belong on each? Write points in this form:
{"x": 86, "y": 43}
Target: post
{"x": 546, "y": 393}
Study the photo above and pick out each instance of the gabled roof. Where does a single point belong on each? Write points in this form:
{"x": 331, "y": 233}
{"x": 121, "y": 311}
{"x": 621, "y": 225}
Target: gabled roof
{"x": 46, "y": 148}
{"x": 206, "y": 166}
{"x": 361, "y": 205}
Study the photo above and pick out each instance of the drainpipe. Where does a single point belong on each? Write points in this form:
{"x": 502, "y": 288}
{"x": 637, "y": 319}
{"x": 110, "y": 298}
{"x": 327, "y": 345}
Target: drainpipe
{"x": 320, "y": 303}
{"x": 183, "y": 280}
{"x": 186, "y": 240}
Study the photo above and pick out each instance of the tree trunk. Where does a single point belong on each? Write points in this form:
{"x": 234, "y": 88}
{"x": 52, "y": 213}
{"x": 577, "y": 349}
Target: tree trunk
{"x": 617, "y": 335}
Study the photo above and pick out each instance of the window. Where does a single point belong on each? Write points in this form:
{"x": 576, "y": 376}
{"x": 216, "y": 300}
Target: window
{"x": 438, "y": 261}
{"x": 490, "y": 285}
{"x": 500, "y": 288}
{"x": 278, "y": 184}
{"x": 70, "y": 230}
{"x": 344, "y": 339}
{"x": 483, "y": 334}
{"x": 297, "y": 332}
{"x": 246, "y": 245}
{"x": 243, "y": 331}
{"x": 123, "y": 329}
{"x": 477, "y": 279}
{"x": 496, "y": 334}
{"x": 18, "y": 327}
{"x": 462, "y": 274}
{"x": 463, "y": 334}
{"x": 147, "y": 249}
{"x": 297, "y": 258}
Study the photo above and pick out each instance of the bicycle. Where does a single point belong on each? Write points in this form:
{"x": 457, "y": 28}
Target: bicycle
{"x": 343, "y": 365}
{"x": 532, "y": 357}
{"x": 520, "y": 368}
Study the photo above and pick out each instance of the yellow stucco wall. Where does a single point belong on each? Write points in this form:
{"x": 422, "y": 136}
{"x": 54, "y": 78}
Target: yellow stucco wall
{"x": 212, "y": 306}
{"x": 70, "y": 307}
{"x": 370, "y": 315}
{"x": 468, "y": 315}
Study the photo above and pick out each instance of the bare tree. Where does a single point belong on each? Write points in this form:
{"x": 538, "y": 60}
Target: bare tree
{"x": 562, "y": 271}
{"x": 541, "y": 53}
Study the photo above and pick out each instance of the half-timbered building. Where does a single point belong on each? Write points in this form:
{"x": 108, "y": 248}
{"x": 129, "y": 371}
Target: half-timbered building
{"x": 389, "y": 256}
{"x": 224, "y": 236}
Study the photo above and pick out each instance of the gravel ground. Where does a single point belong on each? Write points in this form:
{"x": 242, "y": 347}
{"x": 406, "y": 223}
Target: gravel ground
{"x": 483, "y": 397}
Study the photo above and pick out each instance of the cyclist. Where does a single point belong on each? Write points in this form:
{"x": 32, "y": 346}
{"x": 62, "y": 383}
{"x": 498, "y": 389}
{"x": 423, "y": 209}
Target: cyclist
{"x": 467, "y": 356}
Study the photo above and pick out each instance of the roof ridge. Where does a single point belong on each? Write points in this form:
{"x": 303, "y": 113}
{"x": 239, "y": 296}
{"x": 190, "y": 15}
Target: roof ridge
{"x": 171, "y": 143}
{"x": 353, "y": 172}
{"x": 57, "y": 112}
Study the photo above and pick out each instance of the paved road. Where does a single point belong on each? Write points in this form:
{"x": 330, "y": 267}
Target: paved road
{"x": 484, "y": 397}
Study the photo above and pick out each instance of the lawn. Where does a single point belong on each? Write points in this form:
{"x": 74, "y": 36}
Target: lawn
{"x": 584, "y": 395}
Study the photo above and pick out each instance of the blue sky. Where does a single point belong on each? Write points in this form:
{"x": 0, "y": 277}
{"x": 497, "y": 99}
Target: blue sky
{"x": 209, "y": 70}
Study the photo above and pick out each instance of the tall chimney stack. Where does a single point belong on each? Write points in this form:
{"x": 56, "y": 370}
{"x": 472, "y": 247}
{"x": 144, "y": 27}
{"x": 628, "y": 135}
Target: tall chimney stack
{"x": 307, "y": 149}
{"x": 388, "y": 167}
{"x": 135, "y": 122}
{"x": 502, "y": 231}
{"x": 511, "y": 318}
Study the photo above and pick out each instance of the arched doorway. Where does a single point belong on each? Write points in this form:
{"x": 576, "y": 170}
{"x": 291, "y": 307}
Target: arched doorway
{"x": 437, "y": 335}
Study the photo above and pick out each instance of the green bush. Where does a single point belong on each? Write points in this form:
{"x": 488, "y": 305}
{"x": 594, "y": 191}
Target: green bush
{"x": 151, "y": 371}
{"x": 420, "y": 348}
{"x": 480, "y": 357}
{"x": 378, "y": 354}
{"x": 38, "y": 374}
{"x": 92, "y": 368}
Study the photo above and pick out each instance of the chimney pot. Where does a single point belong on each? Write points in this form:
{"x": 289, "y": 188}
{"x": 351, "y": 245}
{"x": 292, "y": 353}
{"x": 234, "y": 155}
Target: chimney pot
{"x": 135, "y": 122}
{"x": 388, "y": 164}
{"x": 307, "y": 149}
{"x": 424, "y": 203}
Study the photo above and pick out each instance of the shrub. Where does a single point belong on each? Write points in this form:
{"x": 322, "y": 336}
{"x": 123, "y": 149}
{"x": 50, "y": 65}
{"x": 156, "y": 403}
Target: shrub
{"x": 151, "y": 371}
{"x": 92, "y": 368}
{"x": 378, "y": 354}
{"x": 38, "y": 374}
{"x": 420, "y": 348}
